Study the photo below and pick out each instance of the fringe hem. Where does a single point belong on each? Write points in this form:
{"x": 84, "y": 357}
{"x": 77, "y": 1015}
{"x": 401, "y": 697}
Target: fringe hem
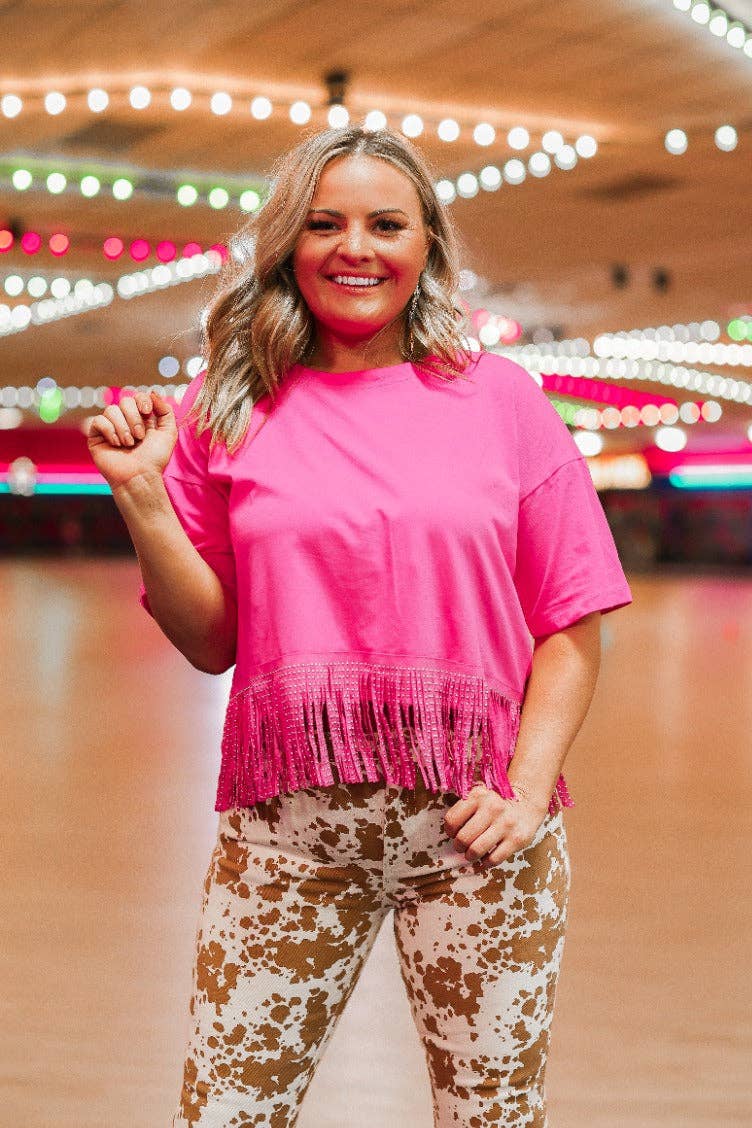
{"x": 297, "y": 725}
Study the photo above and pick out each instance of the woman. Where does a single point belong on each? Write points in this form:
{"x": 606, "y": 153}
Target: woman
{"x": 404, "y": 550}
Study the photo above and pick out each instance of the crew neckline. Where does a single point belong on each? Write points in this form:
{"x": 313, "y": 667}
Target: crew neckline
{"x": 384, "y": 374}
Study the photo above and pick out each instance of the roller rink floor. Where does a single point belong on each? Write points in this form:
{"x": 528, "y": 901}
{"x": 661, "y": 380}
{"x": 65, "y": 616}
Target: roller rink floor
{"x": 110, "y": 752}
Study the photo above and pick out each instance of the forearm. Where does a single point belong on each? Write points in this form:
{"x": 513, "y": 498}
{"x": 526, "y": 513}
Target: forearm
{"x": 185, "y": 595}
{"x": 560, "y": 689}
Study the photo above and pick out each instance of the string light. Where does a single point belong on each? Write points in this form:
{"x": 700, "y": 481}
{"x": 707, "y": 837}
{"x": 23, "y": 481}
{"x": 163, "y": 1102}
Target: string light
{"x": 589, "y": 442}
{"x": 113, "y": 246}
{"x": 56, "y": 183}
{"x": 412, "y": 125}
{"x": 484, "y": 134}
{"x": 218, "y": 196}
{"x": 97, "y": 100}
{"x": 726, "y": 138}
{"x": 87, "y": 397}
{"x": 261, "y": 108}
{"x": 677, "y": 376}
{"x": 739, "y": 328}
{"x": 89, "y": 186}
{"x": 676, "y": 141}
{"x": 221, "y": 103}
{"x": 719, "y": 23}
{"x": 180, "y": 98}
{"x": 552, "y": 141}
{"x": 374, "y": 120}
{"x": 300, "y": 111}
{"x": 670, "y": 438}
{"x": 448, "y": 130}
{"x": 539, "y": 164}
{"x": 518, "y": 138}
{"x": 124, "y": 183}
{"x": 11, "y": 105}
{"x": 54, "y": 102}
{"x": 625, "y": 407}
{"x": 586, "y": 146}
{"x": 707, "y": 330}
{"x": 491, "y": 177}
{"x": 85, "y": 295}
{"x": 338, "y": 116}
{"x": 139, "y": 97}
{"x": 667, "y": 348}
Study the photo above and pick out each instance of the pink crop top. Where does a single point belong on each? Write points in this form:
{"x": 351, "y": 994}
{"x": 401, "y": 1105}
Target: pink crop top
{"x": 393, "y": 544}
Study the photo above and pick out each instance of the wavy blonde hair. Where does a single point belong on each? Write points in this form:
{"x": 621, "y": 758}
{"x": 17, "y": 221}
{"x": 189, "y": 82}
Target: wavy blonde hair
{"x": 258, "y": 325}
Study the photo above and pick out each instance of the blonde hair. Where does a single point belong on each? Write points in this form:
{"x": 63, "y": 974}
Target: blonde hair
{"x": 258, "y": 325}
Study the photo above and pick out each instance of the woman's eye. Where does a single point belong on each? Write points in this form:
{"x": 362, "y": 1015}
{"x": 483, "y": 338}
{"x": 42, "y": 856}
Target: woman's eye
{"x": 385, "y": 226}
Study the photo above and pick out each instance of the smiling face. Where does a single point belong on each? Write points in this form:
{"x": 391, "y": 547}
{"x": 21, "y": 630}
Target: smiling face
{"x": 359, "y": 256}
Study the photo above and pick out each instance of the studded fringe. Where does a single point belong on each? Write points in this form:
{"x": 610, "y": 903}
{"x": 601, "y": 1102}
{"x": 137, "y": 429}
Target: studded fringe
{"x": 293, "y": 726}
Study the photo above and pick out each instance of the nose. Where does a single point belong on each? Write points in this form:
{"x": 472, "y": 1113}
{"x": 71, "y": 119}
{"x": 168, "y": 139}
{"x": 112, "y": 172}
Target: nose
{"x": 354, "y": 244}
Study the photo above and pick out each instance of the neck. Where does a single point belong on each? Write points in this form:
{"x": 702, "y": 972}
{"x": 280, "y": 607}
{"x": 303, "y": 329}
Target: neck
{"x": 335, "y": 353}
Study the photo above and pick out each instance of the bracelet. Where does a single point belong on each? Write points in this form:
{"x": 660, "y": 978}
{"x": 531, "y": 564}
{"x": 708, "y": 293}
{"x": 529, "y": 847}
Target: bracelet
{"x": 519, "y": 791}
{"x": 523, "y": 793}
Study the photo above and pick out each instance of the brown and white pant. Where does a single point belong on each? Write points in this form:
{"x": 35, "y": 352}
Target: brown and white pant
{"x": 295, "y": 893}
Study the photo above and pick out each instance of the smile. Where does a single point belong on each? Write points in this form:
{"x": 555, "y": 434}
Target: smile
{"x": 358, "y": 280}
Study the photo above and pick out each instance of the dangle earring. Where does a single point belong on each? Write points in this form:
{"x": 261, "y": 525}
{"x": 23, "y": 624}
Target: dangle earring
{"x": 411, "y": 311}
{"x": 413, "y": 304}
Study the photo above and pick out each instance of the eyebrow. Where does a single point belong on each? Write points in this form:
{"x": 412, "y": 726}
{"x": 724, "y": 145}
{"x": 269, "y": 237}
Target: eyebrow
{"x": 371, "y": 215}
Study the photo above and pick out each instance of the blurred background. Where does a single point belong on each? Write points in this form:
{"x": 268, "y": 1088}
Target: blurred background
{"x": 596, "y": 159}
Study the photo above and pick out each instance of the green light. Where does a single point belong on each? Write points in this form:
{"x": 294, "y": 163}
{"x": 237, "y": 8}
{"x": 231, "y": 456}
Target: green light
{"x": 219, "y": 198}
{"x": 737, "y": 329}
{"x": 187, "y": 195}
{"x": 21, "y": 179}
{"x": 567, "y": 411}
{"x": 89, "y": 186}
{"x": 122, "y": 189}
{"x": 56, "y": 183}
{"x": 50, "y": 404}
{"x": 249, "y": 200}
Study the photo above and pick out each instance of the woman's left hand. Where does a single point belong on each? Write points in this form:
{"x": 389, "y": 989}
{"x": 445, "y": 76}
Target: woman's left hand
{"x": 487, "y": 824}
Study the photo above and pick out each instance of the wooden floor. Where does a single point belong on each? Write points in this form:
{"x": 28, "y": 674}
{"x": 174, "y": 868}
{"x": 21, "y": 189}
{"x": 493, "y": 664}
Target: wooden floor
{"x": 110, "y": 754}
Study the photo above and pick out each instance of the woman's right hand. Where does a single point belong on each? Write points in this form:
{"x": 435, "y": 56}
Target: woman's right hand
{"x": 132, "y": 438}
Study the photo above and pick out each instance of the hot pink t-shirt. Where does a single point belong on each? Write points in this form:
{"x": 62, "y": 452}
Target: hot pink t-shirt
{"x": 393, "y": 543}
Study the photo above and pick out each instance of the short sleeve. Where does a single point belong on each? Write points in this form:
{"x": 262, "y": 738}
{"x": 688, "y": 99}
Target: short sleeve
{"x": 544, "y": 441}
{"x": 201, "y": 502}
{"x": 567, "y": 564}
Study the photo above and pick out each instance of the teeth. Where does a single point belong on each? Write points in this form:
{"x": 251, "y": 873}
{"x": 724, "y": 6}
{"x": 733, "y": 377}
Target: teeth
{"x": 353, "y": 280}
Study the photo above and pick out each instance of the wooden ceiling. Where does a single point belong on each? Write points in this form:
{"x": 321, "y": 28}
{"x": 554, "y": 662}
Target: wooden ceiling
{"x": 623, "y": 71}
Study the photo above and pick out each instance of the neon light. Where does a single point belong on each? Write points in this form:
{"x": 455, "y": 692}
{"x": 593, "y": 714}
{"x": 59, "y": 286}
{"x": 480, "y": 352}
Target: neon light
{"x": 600, "y": 391}
{"x": 62, "y": 488}
{"x": 717, "y": 476}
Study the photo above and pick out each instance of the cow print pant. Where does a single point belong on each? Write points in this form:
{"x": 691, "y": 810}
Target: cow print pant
{"x": 296, "y": 890}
